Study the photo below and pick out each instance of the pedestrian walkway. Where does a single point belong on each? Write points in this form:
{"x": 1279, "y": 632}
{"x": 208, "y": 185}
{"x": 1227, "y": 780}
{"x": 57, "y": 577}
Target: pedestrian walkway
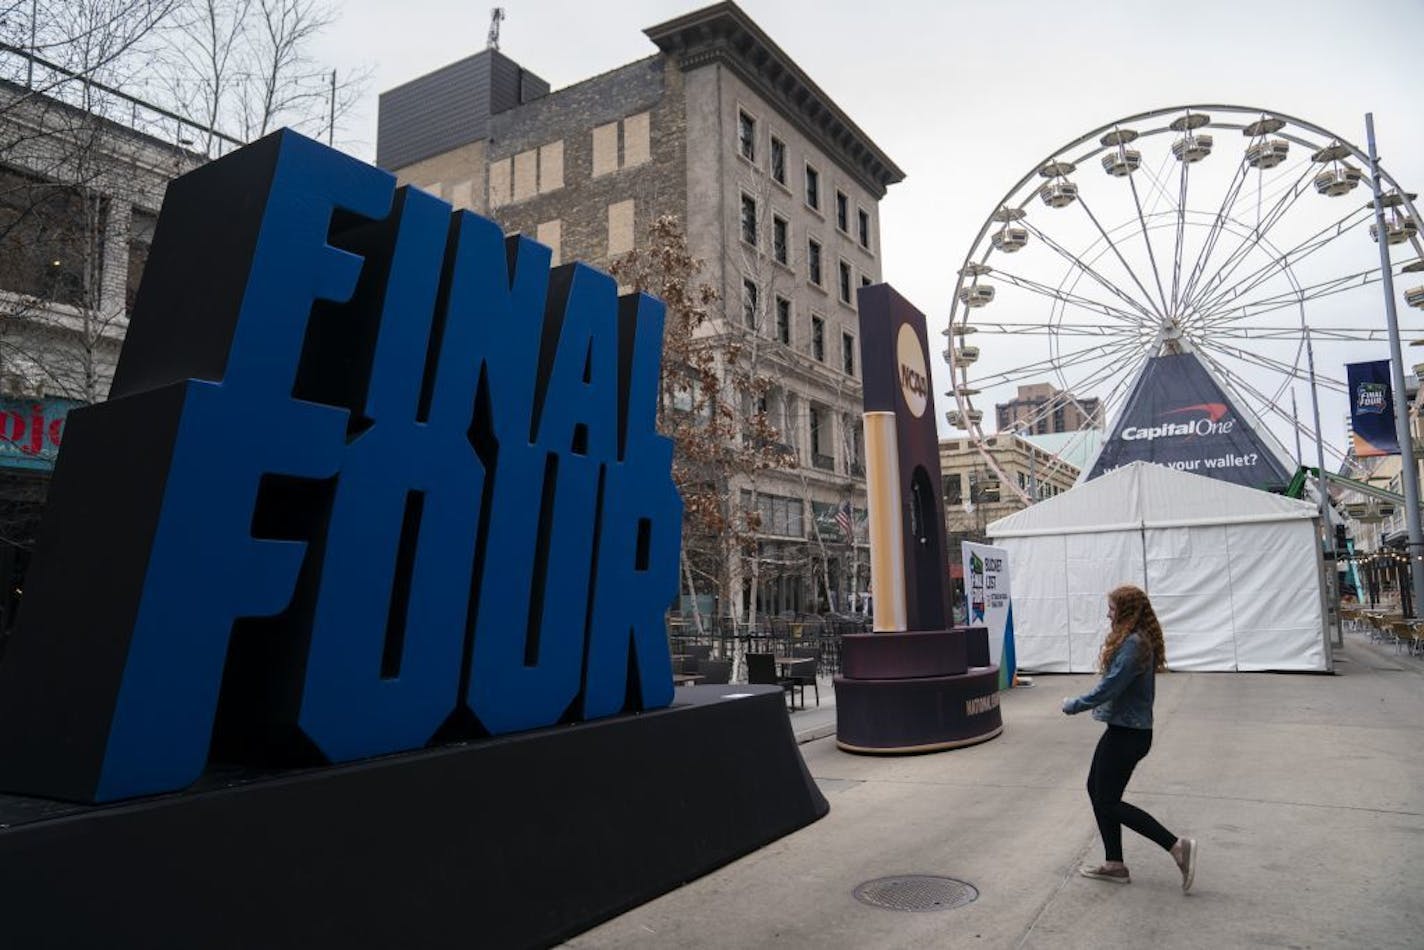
{"x": 1306, "y": 792}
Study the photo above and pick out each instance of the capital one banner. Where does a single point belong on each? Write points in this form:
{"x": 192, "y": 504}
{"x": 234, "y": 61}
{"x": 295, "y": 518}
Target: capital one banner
{"x": 1371, "y": 409}
{"x": 988, "y": 602}
{"x": 1179, "y": 417}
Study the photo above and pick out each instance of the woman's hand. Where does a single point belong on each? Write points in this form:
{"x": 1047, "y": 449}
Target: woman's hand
{"x": 1067, "y": 707}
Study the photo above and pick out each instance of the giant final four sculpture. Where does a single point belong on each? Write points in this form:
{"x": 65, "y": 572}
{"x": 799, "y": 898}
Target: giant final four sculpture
{"x": 363, "y": 569}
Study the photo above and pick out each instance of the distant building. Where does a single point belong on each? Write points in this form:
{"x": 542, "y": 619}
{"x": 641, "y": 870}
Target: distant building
{"x": 778, "y": 191}
{"x": 1041, "y": 409}
{"x": 973, "y": 493}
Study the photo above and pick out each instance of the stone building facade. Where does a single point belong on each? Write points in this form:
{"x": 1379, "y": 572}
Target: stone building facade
{"x": 779, "y": 194}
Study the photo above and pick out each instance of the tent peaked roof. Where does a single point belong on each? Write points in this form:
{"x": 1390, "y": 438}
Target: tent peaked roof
{"x": 1143, "y": 495}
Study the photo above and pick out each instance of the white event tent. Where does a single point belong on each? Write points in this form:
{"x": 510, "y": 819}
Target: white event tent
{"x": 1235, "y": 574}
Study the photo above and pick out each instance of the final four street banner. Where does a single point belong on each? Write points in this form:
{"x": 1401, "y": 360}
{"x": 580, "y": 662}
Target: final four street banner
{"x": 989, "y": 603}
{"x": 1178, "y": 416}
{"x": 1371, "y": 409}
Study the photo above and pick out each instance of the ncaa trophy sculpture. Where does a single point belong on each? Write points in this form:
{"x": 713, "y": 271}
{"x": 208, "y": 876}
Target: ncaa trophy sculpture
{"x": 915, "y": 684}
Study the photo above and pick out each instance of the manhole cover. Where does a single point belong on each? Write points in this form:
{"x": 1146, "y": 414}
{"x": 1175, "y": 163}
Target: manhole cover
{"x": 916, "y": 892}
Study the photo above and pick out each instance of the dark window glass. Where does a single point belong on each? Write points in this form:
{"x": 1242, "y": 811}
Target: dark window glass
{"x": 842, "y": 212}
{"x": 778, "y": 160}
{"x": 778, "y": 240}
{"x": 746, "y": 135}
{"x": 848, "y": 354}
{"x": 813, "y": 188}
{"x": 813, "y": 261}
{"x": 845, "y": 282}
{"x": 749, "y": 220}
{"x": 750, "y": 297}
{"x": 783, "y": 320}
{"x": 818, "y": 338}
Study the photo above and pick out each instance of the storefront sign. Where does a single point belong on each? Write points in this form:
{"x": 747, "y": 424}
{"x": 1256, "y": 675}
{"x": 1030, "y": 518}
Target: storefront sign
{"x": 31, "y": 431}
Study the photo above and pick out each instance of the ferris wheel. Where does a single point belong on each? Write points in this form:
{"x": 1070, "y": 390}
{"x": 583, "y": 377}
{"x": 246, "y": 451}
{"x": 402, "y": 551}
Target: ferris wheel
{"x": 1241, "y": 235}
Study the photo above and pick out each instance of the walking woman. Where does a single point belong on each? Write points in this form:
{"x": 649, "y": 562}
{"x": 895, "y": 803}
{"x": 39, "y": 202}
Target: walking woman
{"x": 1131, "y": 657}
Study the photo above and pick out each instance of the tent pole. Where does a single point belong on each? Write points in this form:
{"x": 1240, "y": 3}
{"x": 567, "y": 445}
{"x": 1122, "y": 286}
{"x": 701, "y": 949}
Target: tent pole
{"x": 1332, "y": 578}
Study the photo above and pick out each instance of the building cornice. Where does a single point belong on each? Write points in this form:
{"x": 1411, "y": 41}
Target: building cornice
{"x": 722, "y": 33}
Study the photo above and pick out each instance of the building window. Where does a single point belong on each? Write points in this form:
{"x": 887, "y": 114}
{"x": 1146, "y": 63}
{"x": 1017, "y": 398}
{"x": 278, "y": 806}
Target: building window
{"x": 848, "y": 354}
{"x": 749, "y": 220}
{"x": 863, "y": 224}
{"x": 501, "y": 181}
{"x": 953, "y": 492}
{"x": 813, "y": 261}
{"x": 818, "y": 338}
{"x": 551, "y": 166}
{"x": 141, "y": 226}
{"x": 605, "y": 149}
{"x": 813, "y": 188}
{"x": 778, "y": 160}
{"x": 750, "y": 297}
{"x": 620, "y": 227}
{"x": 817, "y": 440}
{"x": 845, "y": 282}
{"x": 779, "y": 239}
{"x": 637, "y": 139}
{"x": 864, "y": 280}
{"x": 550, "y": 234}
{"x": 746, "y": 135}
{"x": 842, "y": 212}
{"x": 783, "y": 320}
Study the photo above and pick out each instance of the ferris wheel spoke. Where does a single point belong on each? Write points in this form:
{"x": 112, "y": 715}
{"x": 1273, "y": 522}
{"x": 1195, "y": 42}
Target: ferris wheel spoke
{"x": 1151, "y": 255}
{"x": 1252, "y": 239}
{"x": 1084, "y": 303}
{"x": 1245, "y": 310}
{"x": 1146, "y": 295}
{"x": 1068, "y": 394}
{"x": 1085, "y": 355}
{"x": 1148, "y": 318}
{"x": 1280, "y": 262}
{"x": 1291, "y": 333}
{"x": 1279, "y": 366}
{"x": 1181, "y": 234}
{"x": 1213, "y": 234}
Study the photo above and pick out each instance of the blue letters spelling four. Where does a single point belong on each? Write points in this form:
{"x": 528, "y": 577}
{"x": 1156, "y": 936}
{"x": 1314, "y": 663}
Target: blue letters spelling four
{"x": 563, "y": 485}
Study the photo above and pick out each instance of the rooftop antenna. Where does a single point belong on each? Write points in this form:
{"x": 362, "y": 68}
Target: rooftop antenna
{"x": 496, "y": 15}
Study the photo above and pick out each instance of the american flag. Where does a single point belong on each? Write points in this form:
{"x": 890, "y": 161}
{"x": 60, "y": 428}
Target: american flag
{"x": 843, "y": 520}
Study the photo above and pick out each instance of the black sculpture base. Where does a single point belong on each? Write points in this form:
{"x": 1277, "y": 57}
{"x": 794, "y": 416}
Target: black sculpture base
{"x": 916, "y": 692}
{"x": 510, "y": 842}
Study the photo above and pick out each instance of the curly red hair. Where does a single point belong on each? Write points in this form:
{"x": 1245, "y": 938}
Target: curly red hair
{"x": 1133, "y": 613}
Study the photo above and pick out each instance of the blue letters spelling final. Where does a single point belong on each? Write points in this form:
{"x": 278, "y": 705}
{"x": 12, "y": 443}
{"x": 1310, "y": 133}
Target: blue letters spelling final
{"x": 455, "y": 515}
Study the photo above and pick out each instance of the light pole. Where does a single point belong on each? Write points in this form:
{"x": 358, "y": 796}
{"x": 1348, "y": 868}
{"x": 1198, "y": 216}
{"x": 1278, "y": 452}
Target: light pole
{"x": 1408, "y": 473}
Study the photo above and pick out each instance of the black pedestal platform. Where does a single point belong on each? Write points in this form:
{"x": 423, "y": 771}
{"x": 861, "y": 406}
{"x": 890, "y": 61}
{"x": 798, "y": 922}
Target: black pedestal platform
{"x": 511, "y": 842}
{"x": 916, "y": 692}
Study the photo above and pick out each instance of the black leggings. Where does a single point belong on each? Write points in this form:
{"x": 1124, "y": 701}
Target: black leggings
{"x": 1118, "y": 752}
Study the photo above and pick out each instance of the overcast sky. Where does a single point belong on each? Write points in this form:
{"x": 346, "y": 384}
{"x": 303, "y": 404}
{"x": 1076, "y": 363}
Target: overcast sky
{"x": 967, "y": 97}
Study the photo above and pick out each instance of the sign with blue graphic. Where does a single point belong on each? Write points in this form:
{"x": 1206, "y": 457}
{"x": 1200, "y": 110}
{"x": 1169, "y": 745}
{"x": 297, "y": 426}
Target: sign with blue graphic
{"x": 1372, "y": 426}
{"x": 1176, "y": 415}
{"x": 396, "y": 482}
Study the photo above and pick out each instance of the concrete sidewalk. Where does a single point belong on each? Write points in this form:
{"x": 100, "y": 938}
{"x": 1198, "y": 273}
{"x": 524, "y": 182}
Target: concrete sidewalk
{"x": 1306, "y": 792}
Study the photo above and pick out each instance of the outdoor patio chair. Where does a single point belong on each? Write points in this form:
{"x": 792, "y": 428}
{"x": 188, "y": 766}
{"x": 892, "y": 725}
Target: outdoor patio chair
{"x": 761, "y": 670}
{"x": 806, "y": 669}
{"x": 715, "y": 672}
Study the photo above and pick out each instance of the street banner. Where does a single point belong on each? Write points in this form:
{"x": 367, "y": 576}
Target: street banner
{"x": 1371, "y": 409}
{"x": 988, "y": 603}
{"x": 1178, "y": 416}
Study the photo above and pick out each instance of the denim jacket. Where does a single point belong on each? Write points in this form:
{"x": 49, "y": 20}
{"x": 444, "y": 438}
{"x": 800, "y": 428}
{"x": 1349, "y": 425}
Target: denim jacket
{"x": 1124, "y": 695}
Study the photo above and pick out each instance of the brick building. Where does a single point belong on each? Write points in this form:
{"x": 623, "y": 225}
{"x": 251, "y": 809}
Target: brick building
{"x": 1042, "y": 409}
{"x": 779, "y": 193}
